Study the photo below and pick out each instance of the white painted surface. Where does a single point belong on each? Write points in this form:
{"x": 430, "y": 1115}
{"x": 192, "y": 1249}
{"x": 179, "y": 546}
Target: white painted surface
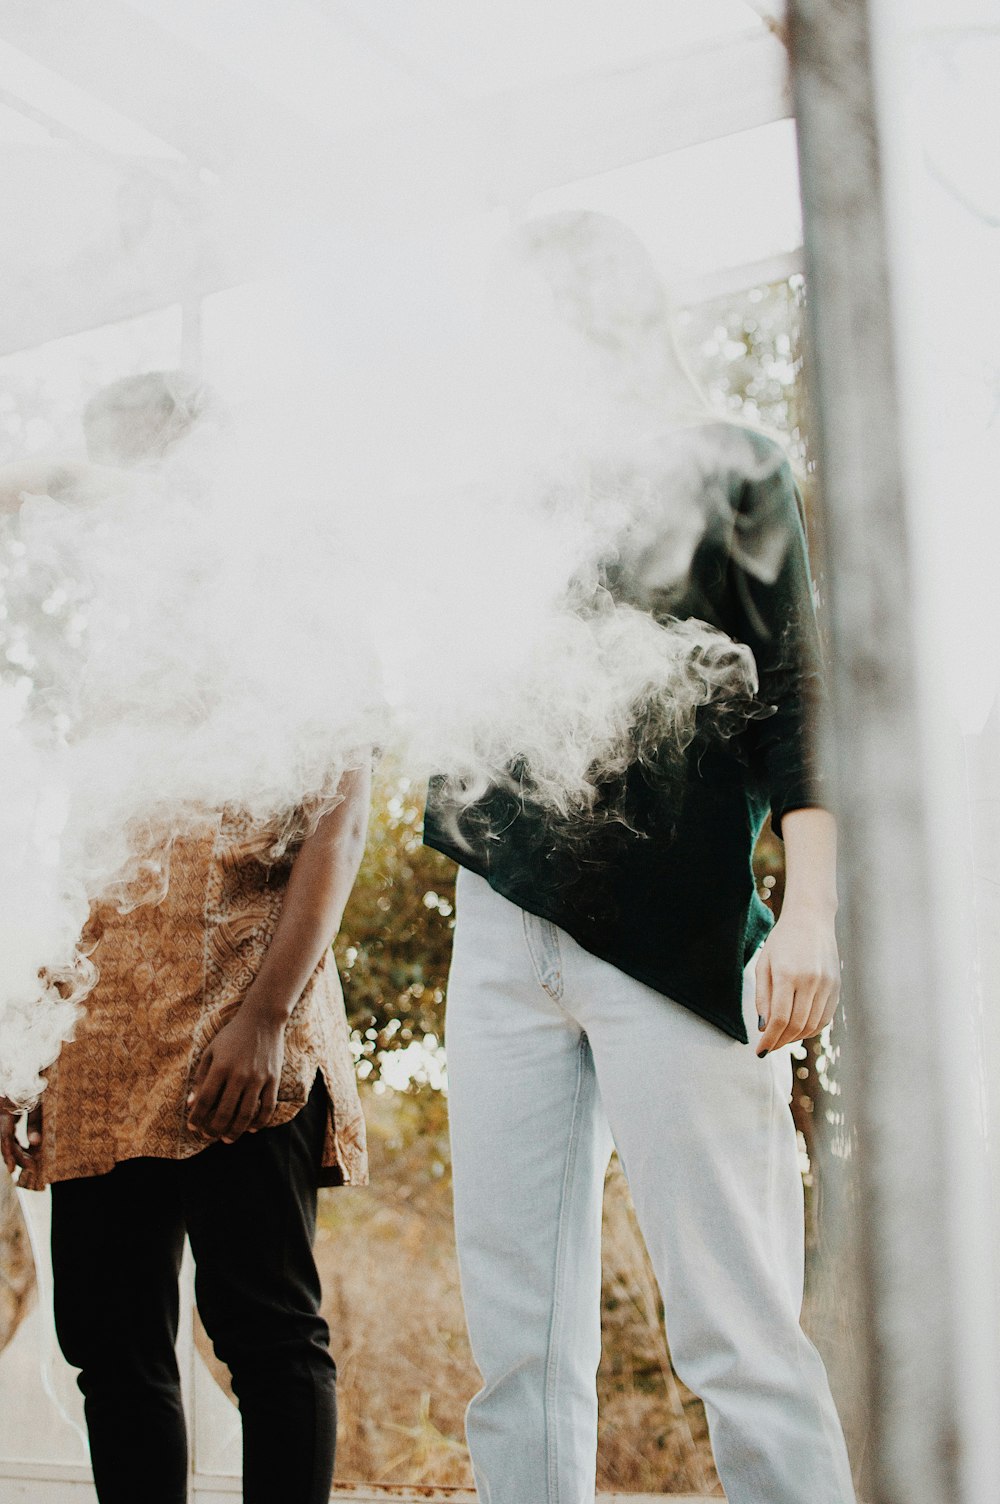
{"x": 623, "y": 113}
{"x": 41, "y": 1414}
{"x": 937, "y": 69}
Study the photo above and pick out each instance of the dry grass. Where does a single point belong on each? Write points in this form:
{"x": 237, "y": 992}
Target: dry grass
{"x": 391, "y": 1296}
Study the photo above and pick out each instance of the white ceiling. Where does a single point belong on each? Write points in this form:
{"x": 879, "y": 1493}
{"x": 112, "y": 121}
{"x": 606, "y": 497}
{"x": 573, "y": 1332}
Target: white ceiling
{"x": 157, "y": 148}
{"x": 470, "y": 50}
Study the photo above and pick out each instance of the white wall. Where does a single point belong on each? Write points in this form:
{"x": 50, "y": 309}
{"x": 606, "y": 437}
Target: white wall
{"x": 937, "y": 66}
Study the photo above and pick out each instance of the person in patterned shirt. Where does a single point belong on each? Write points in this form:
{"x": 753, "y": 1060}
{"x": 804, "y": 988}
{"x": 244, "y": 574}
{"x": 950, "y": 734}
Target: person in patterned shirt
{"x": 208, "y": 1092}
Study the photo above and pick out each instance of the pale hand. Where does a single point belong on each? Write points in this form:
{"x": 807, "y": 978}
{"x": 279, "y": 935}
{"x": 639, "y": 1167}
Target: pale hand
{"x": 798, "y": 977}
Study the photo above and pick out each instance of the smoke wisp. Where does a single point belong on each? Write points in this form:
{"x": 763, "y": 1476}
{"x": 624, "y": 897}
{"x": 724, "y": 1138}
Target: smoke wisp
{"x": 242, "y": 620}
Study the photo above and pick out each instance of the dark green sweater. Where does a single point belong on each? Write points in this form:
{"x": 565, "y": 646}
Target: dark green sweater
{"x": 667, "y": 895}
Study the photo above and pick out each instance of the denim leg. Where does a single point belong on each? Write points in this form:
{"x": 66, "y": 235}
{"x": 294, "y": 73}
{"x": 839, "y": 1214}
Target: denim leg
{"x": 708, "y": 1144}
{"x": 530, "y": 1150}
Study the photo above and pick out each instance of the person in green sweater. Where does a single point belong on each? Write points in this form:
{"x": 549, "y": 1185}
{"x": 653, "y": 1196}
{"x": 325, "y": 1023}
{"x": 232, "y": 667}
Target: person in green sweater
{"x": 610, "y": 969}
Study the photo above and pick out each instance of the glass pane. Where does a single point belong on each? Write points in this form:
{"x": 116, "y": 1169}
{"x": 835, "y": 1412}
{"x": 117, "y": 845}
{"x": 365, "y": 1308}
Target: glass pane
{"x": 41, "y": 1418}
{"x": 42, "y": 394}
{"x": 725, "y": 203}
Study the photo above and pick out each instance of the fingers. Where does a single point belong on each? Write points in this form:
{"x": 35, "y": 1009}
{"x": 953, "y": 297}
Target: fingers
{"x": 204, "y": 1095}
{"x": 780, "y": 1011}
{"x": 216, "y": 1106}
{"x": 35, "y": 1126}
{"x": 16, "y": 1156}
{"x": 799, "y": 1007}
{"x": 265, "y": 1111}
{"x": 831, "y": 1002}
{"x": 225, "y": 1103}
{"x": 201, "y": 1071}
{"x": 228, "y": 1106}
{"x": 764, "y": 988}
{"x": 244, "y": 1114}
{"x": 825, "y": 998}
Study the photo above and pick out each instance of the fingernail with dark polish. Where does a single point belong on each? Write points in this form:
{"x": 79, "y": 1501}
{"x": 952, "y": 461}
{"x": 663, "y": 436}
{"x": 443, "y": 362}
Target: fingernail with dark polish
{"x": 760, "y": 1021}
{"x": 761, "y": 1054}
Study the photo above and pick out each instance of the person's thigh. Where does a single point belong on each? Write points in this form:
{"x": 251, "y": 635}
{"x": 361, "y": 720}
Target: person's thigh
{"x": 250, "y": 1210}
{"x": 251, "y": 1216}
{"x": 707, "y": 1141}
{"x": 524, "y": 1112}
{"x": 530, "y": 1147}
{"x": 704, "y": 1133}
{"x": 117, "y": 1243}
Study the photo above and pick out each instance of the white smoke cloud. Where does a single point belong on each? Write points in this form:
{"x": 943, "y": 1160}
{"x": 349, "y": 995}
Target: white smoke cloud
{"x": 371, "y": 553}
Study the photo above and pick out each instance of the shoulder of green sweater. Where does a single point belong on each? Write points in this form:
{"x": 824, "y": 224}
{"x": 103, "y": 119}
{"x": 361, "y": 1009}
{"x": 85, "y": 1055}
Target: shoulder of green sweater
{"x": 759, "y": 514}
{"x": 741, "y": 444}
{"x": 751, "y": 465}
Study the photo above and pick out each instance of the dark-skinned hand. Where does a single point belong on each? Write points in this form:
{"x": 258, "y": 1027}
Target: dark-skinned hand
{"x": 235, "y": 1087}
{"x": 17, "y": 1156}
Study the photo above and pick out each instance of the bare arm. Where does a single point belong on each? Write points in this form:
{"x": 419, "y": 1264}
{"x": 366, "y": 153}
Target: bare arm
{"x": 54, "y": 477}
{"x": 236, "y": 1086}
{"x": 798, "y": 973}
{"x": 320, "y": 884}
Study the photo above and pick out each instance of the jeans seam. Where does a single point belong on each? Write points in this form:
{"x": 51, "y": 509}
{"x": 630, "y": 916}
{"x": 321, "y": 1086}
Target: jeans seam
{"x": 553, "y": 1355}
{"x": 550, "y": 979}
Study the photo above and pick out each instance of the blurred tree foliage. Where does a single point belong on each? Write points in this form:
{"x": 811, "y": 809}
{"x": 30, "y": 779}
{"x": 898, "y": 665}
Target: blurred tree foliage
{"x": 746, "y": 354}
{"x": 395, "y": 941}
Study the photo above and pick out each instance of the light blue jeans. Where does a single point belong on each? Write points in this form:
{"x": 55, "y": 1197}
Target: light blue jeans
{"x": 553, "y": 1056}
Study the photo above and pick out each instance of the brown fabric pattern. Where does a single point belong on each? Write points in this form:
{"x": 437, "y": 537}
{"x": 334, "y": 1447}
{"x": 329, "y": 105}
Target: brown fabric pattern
{"x": 171, "y": 974}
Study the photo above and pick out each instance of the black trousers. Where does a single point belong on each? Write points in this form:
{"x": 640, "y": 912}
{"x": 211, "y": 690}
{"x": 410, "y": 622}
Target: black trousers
{"x": 249, "y": 1209}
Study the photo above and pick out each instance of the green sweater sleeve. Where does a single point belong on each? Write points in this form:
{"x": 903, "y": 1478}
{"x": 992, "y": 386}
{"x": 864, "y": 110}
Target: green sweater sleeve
{"x": 771, "y": 588}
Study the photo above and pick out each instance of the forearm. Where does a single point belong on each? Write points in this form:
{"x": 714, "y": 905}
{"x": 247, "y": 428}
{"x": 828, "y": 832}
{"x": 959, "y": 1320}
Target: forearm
{"x": 56, "y": 477}
{"x": 16, "y": 479}
{"x": 798, "y": 972}
{"x": 319, "y": 886}
{"x": 810, "y": 837}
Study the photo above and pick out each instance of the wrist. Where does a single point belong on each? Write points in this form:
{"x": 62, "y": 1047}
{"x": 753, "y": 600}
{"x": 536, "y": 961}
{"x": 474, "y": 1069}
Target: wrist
{"x": 267, "y": 1007}
{"x": 816, "y": 905}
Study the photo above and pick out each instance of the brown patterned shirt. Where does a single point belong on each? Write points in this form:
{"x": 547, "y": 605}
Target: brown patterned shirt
{"x": 171, "y": 975}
